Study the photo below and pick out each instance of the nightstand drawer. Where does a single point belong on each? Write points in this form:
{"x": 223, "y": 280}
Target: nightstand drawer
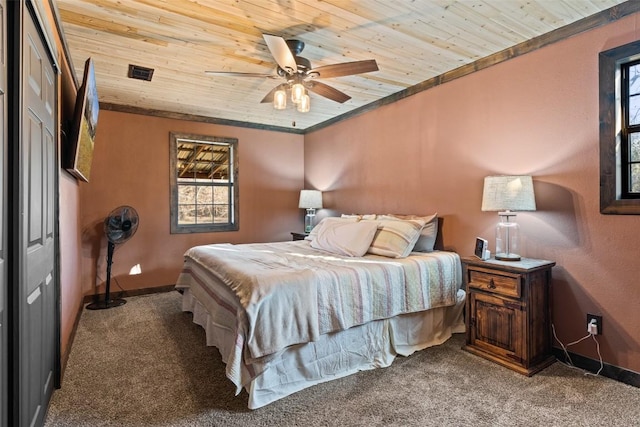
{"x": 492, "y": 281}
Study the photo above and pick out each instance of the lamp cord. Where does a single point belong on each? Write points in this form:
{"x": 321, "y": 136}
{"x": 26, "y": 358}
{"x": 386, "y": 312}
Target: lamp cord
{"x": 566, "y": 353}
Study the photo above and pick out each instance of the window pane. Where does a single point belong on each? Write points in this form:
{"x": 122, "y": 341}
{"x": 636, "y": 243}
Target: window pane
{"x": 634, "y": 110}
{"x": 221, "y": 195}
{"x": 634, "y": 79}
{"x": 634, "y": 179}
{"x": 220, "y": 172}
{"x": 634, "y": 147}
{"x": 185, "y": 152}
{"x": 202, "y": 161}
{"x": 204, "y": 214}
{"x": 205, "y": 195}
{"x": 186, "y": 194}
{"x": 186, "y": 214}
{"x": 221, "y": 213}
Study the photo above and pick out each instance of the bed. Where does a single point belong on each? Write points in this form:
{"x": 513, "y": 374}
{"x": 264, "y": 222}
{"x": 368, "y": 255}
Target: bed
{"x": 288, "y": 315}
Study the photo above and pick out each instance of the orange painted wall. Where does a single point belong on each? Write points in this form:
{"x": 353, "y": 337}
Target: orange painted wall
{"x": 69, "y": 204}
{"x": 131, "y": 167}
{"x": 536, "y": 114}
{"x": 70, "y": 285}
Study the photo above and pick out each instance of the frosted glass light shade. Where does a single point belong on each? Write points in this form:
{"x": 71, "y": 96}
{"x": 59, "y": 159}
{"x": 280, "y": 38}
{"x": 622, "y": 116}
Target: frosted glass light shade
{"x": 506, "y": 194}
{"x": 280, "y": 100}
{"x": 305, "y": 104}
{"x": 297, "y": 92}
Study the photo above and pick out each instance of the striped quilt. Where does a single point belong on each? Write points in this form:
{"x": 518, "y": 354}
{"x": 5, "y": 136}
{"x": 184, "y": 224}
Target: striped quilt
{"x": 288, "y": 293}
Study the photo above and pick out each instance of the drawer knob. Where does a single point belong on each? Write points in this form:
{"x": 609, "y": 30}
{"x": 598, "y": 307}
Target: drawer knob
{"x": 492, "y": 284}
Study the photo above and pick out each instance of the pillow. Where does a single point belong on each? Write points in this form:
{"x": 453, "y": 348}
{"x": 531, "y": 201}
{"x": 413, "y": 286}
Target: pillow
{"x": 427, "y": 239}
{"x": 395, "y": 238}
{"x": 367, "y": 216}
{"x": 350, "y": 216}
{"x": 314, "y": 231}
{"x": 345, "y": 238}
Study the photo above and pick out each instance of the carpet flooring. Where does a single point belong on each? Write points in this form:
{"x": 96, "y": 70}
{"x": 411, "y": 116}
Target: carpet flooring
{"x": 146, "y": 364}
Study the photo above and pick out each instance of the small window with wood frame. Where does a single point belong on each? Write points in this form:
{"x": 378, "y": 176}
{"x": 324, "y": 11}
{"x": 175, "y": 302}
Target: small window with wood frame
{"x": 620, "y": 130}
{"x": 204, "y": 183}
{"x": 630, "y": 147}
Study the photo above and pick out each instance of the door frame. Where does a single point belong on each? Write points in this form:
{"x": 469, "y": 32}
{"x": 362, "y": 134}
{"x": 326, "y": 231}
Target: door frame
{"x": 4, "y": 281}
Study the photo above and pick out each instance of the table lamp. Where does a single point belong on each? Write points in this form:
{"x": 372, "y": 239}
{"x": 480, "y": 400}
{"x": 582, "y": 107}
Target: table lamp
{"x": 310, "y": 200}
{"x": 507, "y": 194}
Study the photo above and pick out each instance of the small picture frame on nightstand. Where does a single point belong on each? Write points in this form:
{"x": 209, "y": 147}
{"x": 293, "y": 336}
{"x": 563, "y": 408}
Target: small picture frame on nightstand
{"x": 482, "y": 249}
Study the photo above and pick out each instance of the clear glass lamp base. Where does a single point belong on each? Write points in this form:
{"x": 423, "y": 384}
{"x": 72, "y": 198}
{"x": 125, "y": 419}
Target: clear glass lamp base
{"x": 308, "y": 223}
{"x": 507, "y": 234}
{"x": 507, "y": 257}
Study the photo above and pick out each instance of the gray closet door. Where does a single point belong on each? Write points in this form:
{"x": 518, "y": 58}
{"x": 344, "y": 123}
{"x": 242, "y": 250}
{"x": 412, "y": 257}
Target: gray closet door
{"x": 37, "y": 279}
{"x": 3, "y": 216}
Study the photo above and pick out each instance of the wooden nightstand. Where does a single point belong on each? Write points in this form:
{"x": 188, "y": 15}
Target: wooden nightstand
{"x": 508, "y": 312}
{"x": 298, "y": 236}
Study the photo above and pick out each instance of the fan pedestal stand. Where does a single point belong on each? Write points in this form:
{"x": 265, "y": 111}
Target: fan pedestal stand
{"x": 108, "y": 302}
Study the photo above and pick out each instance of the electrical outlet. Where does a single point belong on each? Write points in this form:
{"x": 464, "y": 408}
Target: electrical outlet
{"x": 598, "y": 322}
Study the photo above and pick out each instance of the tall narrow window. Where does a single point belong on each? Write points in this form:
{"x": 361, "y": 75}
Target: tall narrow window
{"x": 630, "y": 147}
{"x": 204, "y": 179}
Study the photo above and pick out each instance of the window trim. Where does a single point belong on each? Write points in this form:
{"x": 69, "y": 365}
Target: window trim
{"x": 173, "y": 181}
{"x": 610, "y": 125}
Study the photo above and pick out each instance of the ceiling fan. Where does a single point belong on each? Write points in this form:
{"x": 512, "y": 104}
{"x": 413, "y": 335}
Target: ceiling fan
{"x": 297, "y": 70}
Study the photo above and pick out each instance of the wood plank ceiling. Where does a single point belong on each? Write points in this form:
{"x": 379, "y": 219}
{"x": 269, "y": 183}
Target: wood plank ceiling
{"x": 412, "y": 42}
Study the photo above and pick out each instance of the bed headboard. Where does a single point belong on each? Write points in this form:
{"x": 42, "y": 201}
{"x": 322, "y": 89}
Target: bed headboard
{"x": 439, "y": 245}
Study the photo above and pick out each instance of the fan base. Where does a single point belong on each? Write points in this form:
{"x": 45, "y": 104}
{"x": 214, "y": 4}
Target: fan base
{"x": 101, "y": 305}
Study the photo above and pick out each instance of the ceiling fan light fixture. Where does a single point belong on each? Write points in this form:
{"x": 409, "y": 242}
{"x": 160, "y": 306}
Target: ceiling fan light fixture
{"x": 305, "y": 104}
{"x": 300, "y": 77}
{"x": 297, "y": 92}
{"x": 280, "y": 99}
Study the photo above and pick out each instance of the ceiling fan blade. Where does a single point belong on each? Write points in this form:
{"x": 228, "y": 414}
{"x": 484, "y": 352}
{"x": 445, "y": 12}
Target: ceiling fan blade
{"x": 234, "y": 74}
{"x": 343, "y": 69}
{"x": 269, "y": 97}
{"x": 327, "y": 91}
{"x": 281, "y": 53}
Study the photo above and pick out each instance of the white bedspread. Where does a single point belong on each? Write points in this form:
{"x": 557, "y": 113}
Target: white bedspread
{"x": 292, "y": 293}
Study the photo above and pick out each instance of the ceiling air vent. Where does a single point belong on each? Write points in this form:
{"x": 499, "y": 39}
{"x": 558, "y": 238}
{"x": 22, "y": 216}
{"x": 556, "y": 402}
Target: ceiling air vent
{"x": 140, "y": 73}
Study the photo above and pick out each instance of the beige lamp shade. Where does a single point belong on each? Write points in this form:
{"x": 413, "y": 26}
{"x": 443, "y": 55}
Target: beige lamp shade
{"x": 310, "y": 199}
{"x": 508, "y": 193}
